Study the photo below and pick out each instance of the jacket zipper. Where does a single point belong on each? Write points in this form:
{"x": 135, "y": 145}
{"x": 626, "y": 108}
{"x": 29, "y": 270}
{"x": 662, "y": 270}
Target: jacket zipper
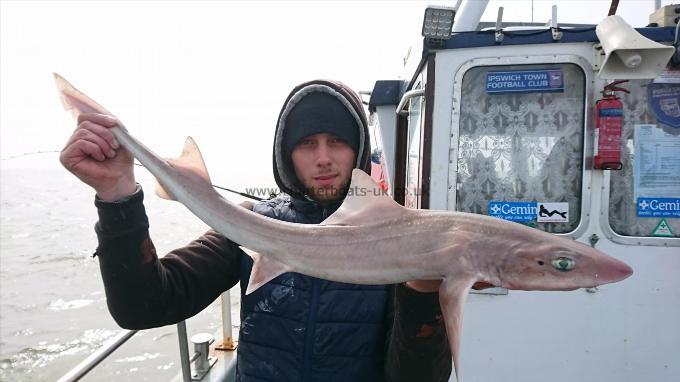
{"x": 311, "y": 320}
{"x": 311, "y": 329}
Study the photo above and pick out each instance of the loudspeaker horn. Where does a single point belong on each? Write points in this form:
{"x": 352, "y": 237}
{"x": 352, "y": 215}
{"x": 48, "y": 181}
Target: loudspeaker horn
{"x": 628, "y": 54}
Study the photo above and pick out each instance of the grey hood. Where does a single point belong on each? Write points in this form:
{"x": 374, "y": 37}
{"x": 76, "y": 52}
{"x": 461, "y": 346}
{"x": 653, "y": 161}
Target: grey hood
{"x": 284, "y": 174}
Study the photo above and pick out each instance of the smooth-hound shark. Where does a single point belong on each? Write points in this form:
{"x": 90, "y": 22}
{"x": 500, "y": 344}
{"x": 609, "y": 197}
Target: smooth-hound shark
{"x": 371, "y": 239}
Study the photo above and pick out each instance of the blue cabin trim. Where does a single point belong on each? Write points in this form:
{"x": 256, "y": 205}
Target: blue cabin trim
{"x": 387, "y": 92}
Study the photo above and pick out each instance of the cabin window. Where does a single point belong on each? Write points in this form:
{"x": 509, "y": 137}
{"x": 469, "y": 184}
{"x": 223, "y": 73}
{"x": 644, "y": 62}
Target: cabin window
{"x": 413, "y": 161}
{"x": 659, "y": 155}
{"x": 521, "y": 146}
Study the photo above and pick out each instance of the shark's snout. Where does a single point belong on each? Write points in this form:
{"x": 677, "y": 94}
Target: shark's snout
{"x": 614, "y": 270}
{"x": 624, "y": 271}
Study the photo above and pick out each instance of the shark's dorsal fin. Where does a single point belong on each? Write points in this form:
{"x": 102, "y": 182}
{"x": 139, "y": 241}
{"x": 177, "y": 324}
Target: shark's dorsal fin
{"x": 365, "y": 200}
{"x": 191, "y": 160}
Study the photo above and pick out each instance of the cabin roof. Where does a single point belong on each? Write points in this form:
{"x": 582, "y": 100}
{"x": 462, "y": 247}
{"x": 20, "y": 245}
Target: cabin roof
{"x": 486, "y": 38}
{"x": 389, "y": 92}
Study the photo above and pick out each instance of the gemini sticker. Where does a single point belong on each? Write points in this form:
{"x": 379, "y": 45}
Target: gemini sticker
{"x": 513, "y": 211}
{"x": 530, "y": 211}
{"x": 658, "y": 208}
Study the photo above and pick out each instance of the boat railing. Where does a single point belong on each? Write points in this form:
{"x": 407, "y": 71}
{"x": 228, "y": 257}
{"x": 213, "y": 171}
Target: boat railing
{"x": 96, "y": 357}
{"x": 203, "y": 361}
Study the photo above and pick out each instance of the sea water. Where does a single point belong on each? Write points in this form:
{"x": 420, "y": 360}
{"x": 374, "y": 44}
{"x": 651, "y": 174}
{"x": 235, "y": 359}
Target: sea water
{"x": 53, "y": 310}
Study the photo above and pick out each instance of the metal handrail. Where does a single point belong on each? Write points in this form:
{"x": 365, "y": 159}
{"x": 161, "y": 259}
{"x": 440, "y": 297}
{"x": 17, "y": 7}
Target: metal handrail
{"x": 406, "y": 97}
{"x": 96, "y": 357}
{"x": 184, "y": 351}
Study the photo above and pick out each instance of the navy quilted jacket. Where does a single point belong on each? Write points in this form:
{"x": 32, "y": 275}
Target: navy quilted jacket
{"x": 300, "y": 328}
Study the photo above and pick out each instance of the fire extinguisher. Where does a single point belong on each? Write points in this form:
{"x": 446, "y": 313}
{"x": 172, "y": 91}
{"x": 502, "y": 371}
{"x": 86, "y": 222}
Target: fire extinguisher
{"x": 608, "y": 127}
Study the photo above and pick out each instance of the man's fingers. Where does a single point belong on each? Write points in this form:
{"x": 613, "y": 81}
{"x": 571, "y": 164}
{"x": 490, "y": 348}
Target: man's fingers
{"x": 86, "y": 135}
{"x": 479, "y": 285}
{"x": 79, "y": 150}
{"x": 101, "y": 119}
{"x": 424, "y": 285}
{"x": 100, "y": 131}
{"x": 83, "y": 135}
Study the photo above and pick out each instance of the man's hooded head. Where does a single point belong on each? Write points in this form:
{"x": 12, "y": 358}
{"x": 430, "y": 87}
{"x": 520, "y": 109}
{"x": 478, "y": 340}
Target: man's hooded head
{"x": 317, "y": 107}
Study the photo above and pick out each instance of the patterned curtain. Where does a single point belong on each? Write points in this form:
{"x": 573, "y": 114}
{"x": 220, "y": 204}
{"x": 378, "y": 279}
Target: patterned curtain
{"x": 521, "y": 146}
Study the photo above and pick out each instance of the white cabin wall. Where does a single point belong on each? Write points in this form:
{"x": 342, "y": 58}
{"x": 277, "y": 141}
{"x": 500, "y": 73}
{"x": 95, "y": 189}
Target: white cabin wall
{"x": 624, "y": 332}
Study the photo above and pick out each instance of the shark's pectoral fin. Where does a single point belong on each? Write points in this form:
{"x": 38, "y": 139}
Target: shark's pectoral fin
{"x": 247, "y": 204}
{"x": 264, "y": 270}
{"x": 452, "y": 296}
{"x": 365, "y": 201}
{"x": 190, "y": 160}
{"x": 161, "y": 193}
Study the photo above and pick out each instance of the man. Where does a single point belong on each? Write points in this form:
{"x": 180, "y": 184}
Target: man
{"x": 295, "y": 327}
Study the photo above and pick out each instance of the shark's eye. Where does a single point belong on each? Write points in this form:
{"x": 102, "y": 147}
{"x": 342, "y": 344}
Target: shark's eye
{"x": 563, "y": 263}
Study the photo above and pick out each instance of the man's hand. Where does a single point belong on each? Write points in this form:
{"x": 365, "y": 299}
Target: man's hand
{"x": 94, "y": 155}
{"x": 429, "y": 286}
{"x": 424, "y": 286}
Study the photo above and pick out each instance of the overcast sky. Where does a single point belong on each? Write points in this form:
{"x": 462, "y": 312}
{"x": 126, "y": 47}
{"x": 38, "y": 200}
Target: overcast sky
{"x": 218, "y": 71}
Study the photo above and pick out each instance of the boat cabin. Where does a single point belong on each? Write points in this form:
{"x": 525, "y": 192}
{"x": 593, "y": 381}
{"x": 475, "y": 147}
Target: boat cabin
{"x": 531, "y": 124}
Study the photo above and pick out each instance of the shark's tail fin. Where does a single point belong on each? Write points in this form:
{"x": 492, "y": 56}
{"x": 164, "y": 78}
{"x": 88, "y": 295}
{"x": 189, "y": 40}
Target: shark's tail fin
{"x": 191, "y": 160}
{"x": 76, "y": 101}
